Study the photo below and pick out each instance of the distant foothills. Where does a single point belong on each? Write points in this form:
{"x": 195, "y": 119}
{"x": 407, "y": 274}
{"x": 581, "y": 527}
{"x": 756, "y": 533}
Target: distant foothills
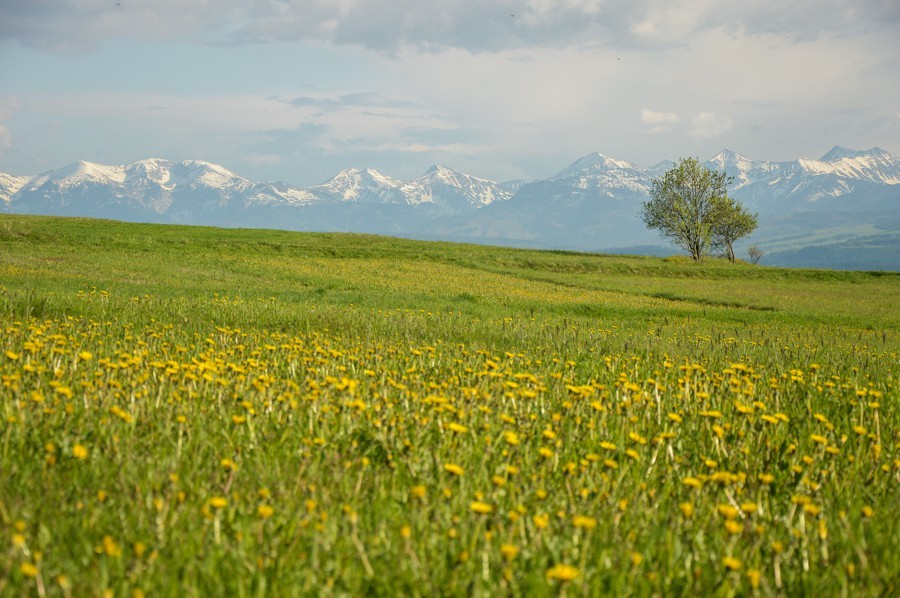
{"x": 840, "y": 211}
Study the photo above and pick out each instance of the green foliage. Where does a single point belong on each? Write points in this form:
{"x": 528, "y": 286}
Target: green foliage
{"x": 239, "y": 412}
{"x": 731, "y": 221}
{"x": 690, "y": 206}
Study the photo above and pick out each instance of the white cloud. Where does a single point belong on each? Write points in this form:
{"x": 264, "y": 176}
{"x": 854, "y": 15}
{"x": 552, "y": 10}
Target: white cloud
{"x": 658, "y": 122}
{"x": 474, "y": 25}
{"x": 5, "y": 138}
{"x": 8, "y": 106}
{"x": 511, "y": 88}
{"x": 708, "y": 124}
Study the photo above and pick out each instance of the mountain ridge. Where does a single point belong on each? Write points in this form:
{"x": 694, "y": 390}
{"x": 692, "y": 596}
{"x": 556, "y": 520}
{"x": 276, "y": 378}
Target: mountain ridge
{"x": 592, "y": 204}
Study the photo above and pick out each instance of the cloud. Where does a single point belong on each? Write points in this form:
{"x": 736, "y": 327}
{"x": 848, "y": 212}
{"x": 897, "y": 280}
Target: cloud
{"x": 8, "y": 106}
{"x": 349, "y": 101}
{"x": 708, "y": 124}
{"x": 474, "y": 25}
{"x": 6, "y": 138}
{"x": 658, "y": 122}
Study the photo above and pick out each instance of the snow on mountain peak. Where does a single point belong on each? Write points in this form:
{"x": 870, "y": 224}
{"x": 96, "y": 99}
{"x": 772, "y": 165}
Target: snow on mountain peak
{"x": 874, "y": 164}
{"x": 594, "y": 162}
{"x": 82, "y": 171}
{"x": 728, "y": 157}
{"x": 596, "y": 171}
{"x": 839, "y": 152}
{"x": 354, "y": 184}
{"x": 10, "y": 185}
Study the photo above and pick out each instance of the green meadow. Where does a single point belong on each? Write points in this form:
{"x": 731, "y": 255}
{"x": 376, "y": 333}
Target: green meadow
{"x": 203, "y": 411}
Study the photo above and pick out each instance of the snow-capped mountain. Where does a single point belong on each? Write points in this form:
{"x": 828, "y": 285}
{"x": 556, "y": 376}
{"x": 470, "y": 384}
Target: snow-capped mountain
{"x": 195, "y": 191}
{"x": 442, "y": 188}
{"x": 363, "y": 186}
{"x": 145, "y": 189}
{"x": 594, "y": 203}
{"x": 786, "y": 187}
{"x": 602, "y": 174}
{"x": 9, "y": 186}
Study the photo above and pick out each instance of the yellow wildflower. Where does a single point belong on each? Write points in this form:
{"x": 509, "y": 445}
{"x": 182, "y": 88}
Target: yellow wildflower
{"x": 481, "y": 507}
{"x": 563, "y": 572}
{"x": 218, "y": 502}
{"x": 732, "y": 564}
{"x": 454, "y": 469}
{"x": 509, "y": 551}
{"x": 28, "y": 569}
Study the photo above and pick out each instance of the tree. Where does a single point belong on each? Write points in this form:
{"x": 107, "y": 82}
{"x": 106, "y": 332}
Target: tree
{"x": 689, "y": 205}
{"x": 754, "y": 253}
{"x": 683, "y": 204}
{"x": 730, "y": 222}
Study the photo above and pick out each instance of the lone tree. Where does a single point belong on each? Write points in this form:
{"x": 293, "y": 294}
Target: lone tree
{"x": 689, "y": 205}
{"x": 731, "y": 221}
{"x": 754, "y": 253}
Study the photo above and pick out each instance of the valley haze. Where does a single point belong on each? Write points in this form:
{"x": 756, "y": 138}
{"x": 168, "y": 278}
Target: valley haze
{"x": 838, "y": 211}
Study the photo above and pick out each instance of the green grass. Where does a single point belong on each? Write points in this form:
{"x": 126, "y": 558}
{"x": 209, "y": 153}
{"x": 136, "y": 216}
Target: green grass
{"x": 206, "y": 411}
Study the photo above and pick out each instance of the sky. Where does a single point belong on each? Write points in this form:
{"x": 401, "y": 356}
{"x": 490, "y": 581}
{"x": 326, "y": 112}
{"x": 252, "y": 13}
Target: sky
{"x": 297, "y": 90}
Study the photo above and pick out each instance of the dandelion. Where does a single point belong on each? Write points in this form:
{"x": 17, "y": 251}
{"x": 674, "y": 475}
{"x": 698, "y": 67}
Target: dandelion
{"x": 563, "y": 573}
{"x": 80, "y": 452}
{"x": 139, "y": 549}
{"x": 727, "y": 511}
{"x": 265, "y": 511}
{"x": 509, "y": 551}
{"x": 481, "y": 507}
{"x": 732, "y": 564}
{"x": 511, "y": 438}
{"x": 687, "y": 509}
{"x": 583, "y": 522}
{"x": 733, "y": 527}
{"x": 218, "y": 502}
{"x": 458, "y": 428}
{"x": 111, "y": 547}
{"x": 454, "y": 469}
{"x": 753, "y": 576}
{"x": 811, "y": 509}
{"x": 28, "y": 569}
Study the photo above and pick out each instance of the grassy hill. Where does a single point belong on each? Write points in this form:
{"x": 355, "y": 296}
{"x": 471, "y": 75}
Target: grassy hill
{"x": 248, "y": 411}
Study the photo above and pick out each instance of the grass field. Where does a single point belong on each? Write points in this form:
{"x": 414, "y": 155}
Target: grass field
{"x": 205, "y": 412}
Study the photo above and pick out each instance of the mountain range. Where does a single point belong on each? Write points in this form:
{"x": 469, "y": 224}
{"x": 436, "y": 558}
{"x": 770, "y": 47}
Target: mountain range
{"x": 839, "y": 211}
